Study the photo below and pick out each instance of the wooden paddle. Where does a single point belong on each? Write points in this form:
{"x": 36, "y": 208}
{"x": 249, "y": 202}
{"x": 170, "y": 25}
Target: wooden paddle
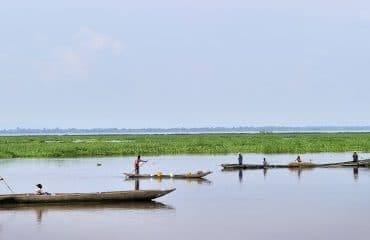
{"x": 2, "y": 179}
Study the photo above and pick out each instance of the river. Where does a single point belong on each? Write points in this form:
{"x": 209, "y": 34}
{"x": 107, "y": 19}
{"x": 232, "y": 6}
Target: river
{"x": 249, "y": 204}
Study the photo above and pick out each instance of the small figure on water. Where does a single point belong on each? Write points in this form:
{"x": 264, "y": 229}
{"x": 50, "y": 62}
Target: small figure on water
{"x": 39, "y": 190}
{"x": 265, "y": 162}
{"x": 355, "y": 157}
{"x": 299, "y": 159}
{"x": 137, "y": 164}
{"x": 240, "y": 158}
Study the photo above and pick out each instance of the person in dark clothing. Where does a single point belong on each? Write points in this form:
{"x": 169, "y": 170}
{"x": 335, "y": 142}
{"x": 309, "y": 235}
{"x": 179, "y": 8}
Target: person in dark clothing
{"x": 137, "y": 164}
{"x": 299, "y": 159}
{"x": 355, "y": 157}
{"x": 240, "y": 159}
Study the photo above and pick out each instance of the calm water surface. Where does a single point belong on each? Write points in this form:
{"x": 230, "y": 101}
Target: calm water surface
{"x": 249, "y": 204}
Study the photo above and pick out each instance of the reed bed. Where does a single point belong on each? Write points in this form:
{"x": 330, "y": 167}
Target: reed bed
{"x": 162, "y": 144}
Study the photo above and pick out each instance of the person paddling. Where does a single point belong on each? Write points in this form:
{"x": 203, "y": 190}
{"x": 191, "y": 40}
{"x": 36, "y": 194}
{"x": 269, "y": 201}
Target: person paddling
{"x": 137, "y": 164}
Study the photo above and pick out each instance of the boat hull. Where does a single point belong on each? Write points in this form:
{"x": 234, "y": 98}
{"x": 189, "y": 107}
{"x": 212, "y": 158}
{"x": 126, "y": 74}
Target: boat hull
{"x": 361, "y": 163}
{"x": 98, "y": 197}
{"x": 174, "y": 176}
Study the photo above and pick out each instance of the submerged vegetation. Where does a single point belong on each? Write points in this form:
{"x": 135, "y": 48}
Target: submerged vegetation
{"x": 123, "y": 145}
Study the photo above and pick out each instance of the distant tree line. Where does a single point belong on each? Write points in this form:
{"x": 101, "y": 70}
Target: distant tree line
{"x": 264, "y": 130}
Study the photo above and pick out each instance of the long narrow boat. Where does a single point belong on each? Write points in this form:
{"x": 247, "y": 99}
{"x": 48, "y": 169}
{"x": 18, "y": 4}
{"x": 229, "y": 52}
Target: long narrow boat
{"x": 265, "y": 166}
{"x": 97, "y": 197}
{"x": 361, "y": 163}
{"x": 196, "y": 175}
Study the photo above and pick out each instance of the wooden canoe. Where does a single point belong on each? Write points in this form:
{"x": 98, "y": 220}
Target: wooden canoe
{"x": 196, "y": 175}
{"x": 361, "y": 163}
{"x": 97, "y": 197}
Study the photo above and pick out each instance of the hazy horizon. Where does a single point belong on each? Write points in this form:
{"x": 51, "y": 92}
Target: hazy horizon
{"x": 236, "y": 129}
{"x": 172, "y": 64}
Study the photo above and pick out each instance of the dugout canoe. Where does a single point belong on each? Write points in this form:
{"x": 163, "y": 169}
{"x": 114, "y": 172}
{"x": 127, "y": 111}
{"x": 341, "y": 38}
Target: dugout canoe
{"x": 96, "y": 197}
{"x": 197, "y": 175}
{"x": 266, "y": 166}
{"x": 361, "y": 163}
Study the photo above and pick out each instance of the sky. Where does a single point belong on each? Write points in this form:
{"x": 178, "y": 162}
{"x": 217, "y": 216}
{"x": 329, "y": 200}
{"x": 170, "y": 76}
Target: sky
{"x": 165, "y": 63}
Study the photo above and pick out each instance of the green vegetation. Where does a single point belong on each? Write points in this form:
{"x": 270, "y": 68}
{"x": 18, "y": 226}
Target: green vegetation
{"x": 123, "y": 145}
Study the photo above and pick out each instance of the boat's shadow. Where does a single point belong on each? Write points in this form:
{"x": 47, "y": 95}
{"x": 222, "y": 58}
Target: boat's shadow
{"x": 41, "y": 210}
{"x": 144, "y": 205}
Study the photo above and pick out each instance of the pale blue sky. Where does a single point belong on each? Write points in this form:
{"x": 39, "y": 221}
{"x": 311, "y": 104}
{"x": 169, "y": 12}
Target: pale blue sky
{"x": 139, "y": 64}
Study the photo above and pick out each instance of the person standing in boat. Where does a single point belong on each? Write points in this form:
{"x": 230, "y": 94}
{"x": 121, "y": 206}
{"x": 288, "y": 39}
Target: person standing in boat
{"x": 240, "y": 158}
{"x": 355, "y": 157}
{"x": 265, "y": 162}
{"x": 137, "y": 164}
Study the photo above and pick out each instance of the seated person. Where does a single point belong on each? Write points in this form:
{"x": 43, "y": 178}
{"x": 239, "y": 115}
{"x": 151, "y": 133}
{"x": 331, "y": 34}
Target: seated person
{"x": 39, "y": 190}
{"x": 299, "y": 159}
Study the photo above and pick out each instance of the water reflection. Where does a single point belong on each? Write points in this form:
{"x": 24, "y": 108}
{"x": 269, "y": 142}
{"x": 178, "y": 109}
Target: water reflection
{"x": 265, "y": 172}
{"x": 299, "y": 171}
{"x": 240, "y": 172}
{"x": 355, "y": 174}
{"x": 240, "y": 175}
{"x": 137, "y": 184}
{"x": 40, "y": 211}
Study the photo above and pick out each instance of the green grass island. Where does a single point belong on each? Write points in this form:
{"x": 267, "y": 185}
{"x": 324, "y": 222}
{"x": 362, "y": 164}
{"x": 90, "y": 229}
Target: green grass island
{"x": 70, "y": 146}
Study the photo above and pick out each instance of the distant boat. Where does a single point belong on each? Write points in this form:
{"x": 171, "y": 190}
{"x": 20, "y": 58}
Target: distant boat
{"x": 97, "y": 197}
{"x": 234, "y": 166}
{"x": 199, "y": 174}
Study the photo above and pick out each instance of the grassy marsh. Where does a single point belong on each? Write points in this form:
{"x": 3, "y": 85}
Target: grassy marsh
{"x": 124, "y": 145}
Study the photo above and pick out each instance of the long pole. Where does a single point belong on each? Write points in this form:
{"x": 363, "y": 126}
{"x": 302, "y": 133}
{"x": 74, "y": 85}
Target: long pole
{"x": 2, "y": 179}
{"x": 140, "y": 165}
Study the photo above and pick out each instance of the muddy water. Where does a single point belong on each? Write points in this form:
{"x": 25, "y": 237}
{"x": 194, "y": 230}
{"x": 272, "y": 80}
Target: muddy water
{"x": 253, "y": 204}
